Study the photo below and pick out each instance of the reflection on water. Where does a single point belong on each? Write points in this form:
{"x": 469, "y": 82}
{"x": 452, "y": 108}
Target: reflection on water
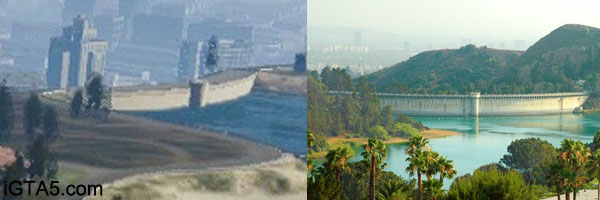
{"x": 484, "y": 140}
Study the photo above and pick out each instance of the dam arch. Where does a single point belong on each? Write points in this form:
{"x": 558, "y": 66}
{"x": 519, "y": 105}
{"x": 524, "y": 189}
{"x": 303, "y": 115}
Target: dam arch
{"x": 475, "y": 104}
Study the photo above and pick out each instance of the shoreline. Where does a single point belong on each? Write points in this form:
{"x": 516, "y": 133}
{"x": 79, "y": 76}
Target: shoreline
{"x": 339, "y": 141}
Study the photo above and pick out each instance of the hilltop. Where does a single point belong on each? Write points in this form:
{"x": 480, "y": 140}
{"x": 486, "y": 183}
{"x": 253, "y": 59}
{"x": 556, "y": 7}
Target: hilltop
{"x": 552, "y": 64}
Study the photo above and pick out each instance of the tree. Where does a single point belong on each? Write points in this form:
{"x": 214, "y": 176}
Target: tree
{"x": 325, "y": 187}
{"x": 378, "y": 132}
{"x": 433, "y": 188}
{"x": 32, "y": 114}
{"x": 530, "y": 157}
{"x": 595, "y": 143}
{"x": 39, "y": 157}
{"x": 300, "y": 64}
{"x": 212, "y": 57}
{"x": 375, "y": 152}
{"x": 50, "y": 123}
{"x": 391, "y": 190}
{"x": 492, "y": 184}
{"x": 6, "y": 113}
{"x": 594, "y": 167}
{"x": 15, "y": 172}
{"x": 573, "y": 155}
{"x": 404, "y": 130}
{"x": 555, "y": 179}
{"x": 95, "y": 92}
{"x": 446, "y": 169}
{"x": 337, "y": 161}
{"x": 416, "y": 146}
{"x": 76, "y": 103}
{"x": 388, "y": 118}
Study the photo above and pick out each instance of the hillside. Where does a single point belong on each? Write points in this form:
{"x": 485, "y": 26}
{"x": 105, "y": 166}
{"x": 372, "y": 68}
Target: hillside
{"x": 550, "y": 65}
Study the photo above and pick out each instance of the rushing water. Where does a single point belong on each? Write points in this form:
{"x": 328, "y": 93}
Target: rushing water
{"x": 271, "y": 118}
{"x": 484, "y": 140}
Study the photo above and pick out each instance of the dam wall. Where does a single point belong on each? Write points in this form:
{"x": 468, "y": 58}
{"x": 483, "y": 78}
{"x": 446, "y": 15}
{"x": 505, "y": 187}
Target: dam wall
{"x": 205, "y": 92}
{"x": 217, "y": 88}
{"x": 475, "y": 104}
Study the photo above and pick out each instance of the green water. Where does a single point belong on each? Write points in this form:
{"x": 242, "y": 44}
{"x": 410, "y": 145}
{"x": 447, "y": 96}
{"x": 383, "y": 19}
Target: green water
{"x": 484, "y": 140}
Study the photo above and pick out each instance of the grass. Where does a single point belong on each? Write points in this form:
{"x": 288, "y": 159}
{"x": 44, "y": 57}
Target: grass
{"x": 123, "y": 145}
{"x": 68, "y": 177}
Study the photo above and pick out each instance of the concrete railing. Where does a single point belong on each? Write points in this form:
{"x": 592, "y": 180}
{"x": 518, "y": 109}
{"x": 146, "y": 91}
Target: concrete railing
{"x": 475, "y": 104}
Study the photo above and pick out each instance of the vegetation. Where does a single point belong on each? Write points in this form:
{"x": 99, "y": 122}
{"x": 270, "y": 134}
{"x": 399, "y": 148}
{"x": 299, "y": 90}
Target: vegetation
{"x": 37, "y": 161}
{"x": 491, "y": 183}
{"x": 76, "y": 103}
{"x": 356, "y": 114}
{"x": 300, "y": 63}
{"x": 95, "y": 92}
{"x": 553, "y": 64}
{"x": 529, "y": 157}
{"x": 375, "y": 152}
{"x": 32, "y": 115}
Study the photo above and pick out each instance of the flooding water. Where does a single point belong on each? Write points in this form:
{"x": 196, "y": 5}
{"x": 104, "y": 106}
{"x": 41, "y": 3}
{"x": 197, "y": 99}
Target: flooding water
{"x": 484, "y": 140}
{"x": 274, "y": 119}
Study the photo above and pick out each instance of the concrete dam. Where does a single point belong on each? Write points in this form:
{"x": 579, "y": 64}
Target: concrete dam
{"x": 475, "y": 104}
{"x": 217, "y": 88}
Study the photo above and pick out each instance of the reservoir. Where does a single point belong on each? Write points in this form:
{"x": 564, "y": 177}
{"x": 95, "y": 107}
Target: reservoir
{"x": 269, "y": 118}
{"x": 484, "y": 140}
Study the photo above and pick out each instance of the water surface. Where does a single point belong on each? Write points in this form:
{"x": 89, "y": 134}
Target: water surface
{"x": 271, "y": 118}
{"x": 484, "y": 140}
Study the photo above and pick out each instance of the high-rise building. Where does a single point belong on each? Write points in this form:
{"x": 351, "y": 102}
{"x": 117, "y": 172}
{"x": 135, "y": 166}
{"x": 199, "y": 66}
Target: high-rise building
{"x": 75, "y": 56}
{"x": 144, "y": 31}
{"x": 74, "y": 8}
{"x": 191, "y": 60}
{"x": 233, "y": 31}
{"x": 231, "y": 54}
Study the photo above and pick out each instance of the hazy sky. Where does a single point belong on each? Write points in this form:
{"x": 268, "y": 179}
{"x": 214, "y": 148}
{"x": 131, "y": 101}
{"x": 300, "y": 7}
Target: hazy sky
{"x": 477, "y": 19}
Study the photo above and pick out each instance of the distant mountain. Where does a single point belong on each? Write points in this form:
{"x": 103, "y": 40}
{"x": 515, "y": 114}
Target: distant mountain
{"x": 568, "y": 53}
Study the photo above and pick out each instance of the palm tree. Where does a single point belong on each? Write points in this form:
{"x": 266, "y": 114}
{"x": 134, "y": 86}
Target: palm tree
{"x": 433, "y": 188}
{"x": 415, "y": 159}
{"x": 390, "y": 190}
{"x": 374, "y": 153}
{"x": 556, "y": 179}
{"x": 337, "y": 160}
{"x": 594, "y": 167}
{"x": 431, "y": 163}
{"x": 573, "y": 156}
{"x": 446, "y": 169}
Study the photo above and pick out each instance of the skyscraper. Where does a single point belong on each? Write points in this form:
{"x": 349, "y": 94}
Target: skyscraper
{"x": 191, "y": 60}
{"x": 75, "y": 56}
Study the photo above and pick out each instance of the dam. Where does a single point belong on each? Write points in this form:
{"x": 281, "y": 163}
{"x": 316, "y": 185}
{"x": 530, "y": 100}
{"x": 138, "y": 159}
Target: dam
{"x": 475, "y": 104}
{"x": 217, "y": 88}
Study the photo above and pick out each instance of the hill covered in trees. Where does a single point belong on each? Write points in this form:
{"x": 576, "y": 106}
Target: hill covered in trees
{"x": 552, "y": 64}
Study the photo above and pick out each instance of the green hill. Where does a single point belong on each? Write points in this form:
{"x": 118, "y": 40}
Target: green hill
{"x": 568, "y": 53}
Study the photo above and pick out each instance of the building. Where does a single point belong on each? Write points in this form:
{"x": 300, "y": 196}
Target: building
{"x": 157, "y": 31}
{"x": 75, "y": 56}
{"x": 191, "y": 60}
{"x": 231, "y": 54}
{"x": 111, "y": 28}
{"x": 234, "y": 54}
{"x": 233, "y": 31}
